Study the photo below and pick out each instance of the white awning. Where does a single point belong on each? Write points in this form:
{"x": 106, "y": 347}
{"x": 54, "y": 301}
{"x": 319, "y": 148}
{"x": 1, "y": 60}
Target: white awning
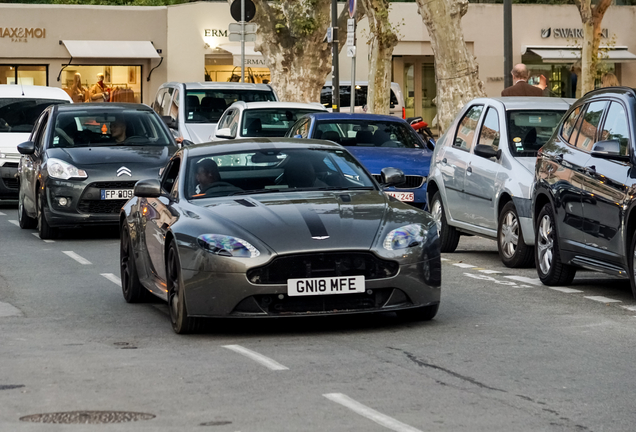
{"x": 572, "y": 54}
{"x": 110, "y": 49}
{"x": 252, "y": 58}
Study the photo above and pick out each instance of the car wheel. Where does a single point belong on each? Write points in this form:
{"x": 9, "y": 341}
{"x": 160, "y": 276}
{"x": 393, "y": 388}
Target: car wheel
{"x": 513, "y": 250}
{"x": 552, "y": 271}
{"x": 448, "y": 235}
{"x": 424, "y": 313}
{"x": 24, "y": 220}
{"x": 131, "y": 287}
{"x": 45, "y": 230}
{"x": 181, "y": 322}
{"x": 632, "y": 265}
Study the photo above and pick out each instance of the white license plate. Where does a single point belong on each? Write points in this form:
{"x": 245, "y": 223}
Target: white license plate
{"x": 325, "y": 286}
{"x": 402, "y": 196}
{"x": 112, "y": 194}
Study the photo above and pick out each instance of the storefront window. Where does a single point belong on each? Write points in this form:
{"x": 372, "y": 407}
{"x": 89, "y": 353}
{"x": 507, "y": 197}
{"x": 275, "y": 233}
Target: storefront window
{"x": 119, "y": 84}
{"x": 229, "y": 73}
{"x": 429, "y": 91}
{"x": 24, "y": 74}
{"x": 409, "y": 89}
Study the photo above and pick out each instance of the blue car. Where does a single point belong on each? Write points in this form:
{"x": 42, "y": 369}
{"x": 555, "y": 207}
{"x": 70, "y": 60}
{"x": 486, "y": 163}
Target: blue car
{"x": 377, "y": 141}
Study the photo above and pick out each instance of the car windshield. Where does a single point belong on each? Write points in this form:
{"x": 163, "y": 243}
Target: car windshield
{"x": 206, "y": 106}
{"x": 368, "y": 133}
{"x": 126, "y": 127}
{"x": 20, "y": 114}
{"x": 271, "y": 122}
{"x": 268, "y": 171}
{"x": 529, "y": 130}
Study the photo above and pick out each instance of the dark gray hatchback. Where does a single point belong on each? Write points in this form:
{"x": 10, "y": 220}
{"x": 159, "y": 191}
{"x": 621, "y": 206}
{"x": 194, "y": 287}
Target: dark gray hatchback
{"x": 82, "y": 162}
{"x": 583, "y": 194}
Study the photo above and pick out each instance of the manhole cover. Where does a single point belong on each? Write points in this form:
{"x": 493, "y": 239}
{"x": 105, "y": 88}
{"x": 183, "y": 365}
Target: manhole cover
{"x": 95, "y": 417}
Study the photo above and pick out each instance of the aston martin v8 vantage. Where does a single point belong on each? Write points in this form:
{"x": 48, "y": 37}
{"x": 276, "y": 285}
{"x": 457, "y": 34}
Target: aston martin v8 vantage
{"x": 276, "y": 227}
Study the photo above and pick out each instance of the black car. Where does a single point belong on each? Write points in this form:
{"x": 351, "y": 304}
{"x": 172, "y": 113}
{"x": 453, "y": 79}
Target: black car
{"x": 82, "y": 162}
{"x": 583, "y": 197}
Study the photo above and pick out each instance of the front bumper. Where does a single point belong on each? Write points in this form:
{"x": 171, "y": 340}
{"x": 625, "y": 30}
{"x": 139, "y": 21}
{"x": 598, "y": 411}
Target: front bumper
{"x": 9, "y": 185}
{"x": 212, "y": 294}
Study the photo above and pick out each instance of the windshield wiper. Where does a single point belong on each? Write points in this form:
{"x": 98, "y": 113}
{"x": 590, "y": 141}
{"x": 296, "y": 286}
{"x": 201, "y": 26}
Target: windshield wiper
{"x": 257, "y": 191}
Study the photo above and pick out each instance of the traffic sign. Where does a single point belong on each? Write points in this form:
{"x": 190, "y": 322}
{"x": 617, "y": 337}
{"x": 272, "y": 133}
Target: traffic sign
{"x": 235, "y": 10}
{"x": 236, "y": 28}
{"x": 352, "y": 8}
{"x": 351, "y": 25}
{"x": 236, "y": 37}
{"x": 351, "y": 39}
{"x": 351, "y": 51}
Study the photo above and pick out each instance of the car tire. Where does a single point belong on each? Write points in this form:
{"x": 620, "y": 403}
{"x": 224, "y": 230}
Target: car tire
{"x": 632, "y": 265}
{"x": 131, "y": 287}
{"x": 24, "y": 220}
{"x": 181, "y": 322}
{"x": 513, "y": 250}
{"x": 552, "y": 271}
{"x": 448, "y": 235}
{"x": 424, "y": 313}
{"x": 46, "y": 231}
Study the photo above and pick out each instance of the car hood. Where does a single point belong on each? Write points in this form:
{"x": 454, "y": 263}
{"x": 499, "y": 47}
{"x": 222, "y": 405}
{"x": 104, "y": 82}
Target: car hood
{"x": 200, "y": 132}
{"x": 9, "y": 141}
{"x": 141, "y": 155}
{"x": 410, "y": 160}
{"x": 305, "y": 221}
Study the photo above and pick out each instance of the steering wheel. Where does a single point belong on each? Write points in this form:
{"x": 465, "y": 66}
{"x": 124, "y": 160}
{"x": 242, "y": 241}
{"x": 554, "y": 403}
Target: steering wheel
{"x": 135, "y": 139}
{"x": 60, "y": 132}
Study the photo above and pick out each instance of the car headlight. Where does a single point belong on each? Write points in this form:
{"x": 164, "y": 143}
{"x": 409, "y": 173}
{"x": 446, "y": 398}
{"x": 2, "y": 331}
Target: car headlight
{"x": 64, "y": 170}
{"x": 227, "y": 246}
{"x": 405, "y": 237}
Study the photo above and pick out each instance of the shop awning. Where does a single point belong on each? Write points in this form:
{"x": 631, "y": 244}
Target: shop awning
{"x": 252, "y": 58}
{"x": 110, "y": 49}
{"x": 572, "y": 54}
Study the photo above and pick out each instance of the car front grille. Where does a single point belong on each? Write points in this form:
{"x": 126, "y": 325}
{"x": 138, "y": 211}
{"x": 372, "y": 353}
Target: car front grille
{"x": 10, "y": 183}
{"x": 411, "y": 182}
{"x": 113, "y": 185}
{"x": 10, "y": 165}
{"x": 101, "y": 206}
{"x": 329, "y": 264}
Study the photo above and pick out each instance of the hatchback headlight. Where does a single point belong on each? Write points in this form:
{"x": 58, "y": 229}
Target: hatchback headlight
{"x": 227, "y": 246}
{"x": 64, "y": 170}
{"x": 405, "y": 237}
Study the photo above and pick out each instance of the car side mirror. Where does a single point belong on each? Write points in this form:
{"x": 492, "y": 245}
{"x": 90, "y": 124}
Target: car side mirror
{"x": 430, "y": 144}
{"x": 609, "y": 150}
{"x": 169, "y": 121}
{"x": 26, "y": 148}
{"x": 486, "y": 151}
{"x": 186, "y": 143}
{"x": 224, "y": 133}
{"x": 147, "y": 188}
{"x": 392, "y": 176}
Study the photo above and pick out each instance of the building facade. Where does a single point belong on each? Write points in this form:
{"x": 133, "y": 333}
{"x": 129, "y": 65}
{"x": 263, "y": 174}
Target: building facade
{"x": 139, "y": 48}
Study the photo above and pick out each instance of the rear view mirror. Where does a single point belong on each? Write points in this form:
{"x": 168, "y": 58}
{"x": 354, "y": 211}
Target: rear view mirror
{"x": 392, "y": 176}
{"x": 224, "y": 133}
{"x": 148, "y": 188}
{"x": 486, "y": 151}
{"x": 609, "y": 150}
{"x": 26, "y": 148}
{"x": 169, "y": 121}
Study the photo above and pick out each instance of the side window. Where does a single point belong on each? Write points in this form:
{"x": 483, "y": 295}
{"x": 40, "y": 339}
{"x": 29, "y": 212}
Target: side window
{"x": 174, "y": 106}
{"x": 302, "y": 129}
{"x": 233, "y": 120}
{"x": 165, "y": 104}
{"x": 489, "y": 134}
{"x": 40, "y": 134}
{"x": 617, "y": 127}
{"x": 170, "y": 176}
{"x": 225, "y": 121}
{"x": 568, "y": 125}
{"x": 156, "y": 106}
{"x": 466, "y": 128}
{"x": 589, "y": 126}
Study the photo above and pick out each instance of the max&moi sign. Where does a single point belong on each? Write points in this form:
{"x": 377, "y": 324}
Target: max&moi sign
{"x": 22, "y": 34}
{"x": 568, "y": 33}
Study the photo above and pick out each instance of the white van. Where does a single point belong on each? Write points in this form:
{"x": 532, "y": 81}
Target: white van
{"x": 20, "y": 107}
{"x": 396, "y": 108}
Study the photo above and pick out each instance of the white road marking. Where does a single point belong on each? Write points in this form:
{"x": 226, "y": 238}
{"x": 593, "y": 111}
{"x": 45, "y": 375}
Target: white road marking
{"x": 77, "y": 258}
{"x": 45, "y": 241}
{"x": 603, "y": 299}
{"x": 260, "y": 358}
{"x": 566, "y": 290}
{"x": 14, "y": 222}
{"x": 490, "y": 271}
{"x": 463, "y": 265}
{"x": 444, "y": 259}
{"x": 8, "y": 310}
{"x": 2, "y": 214}
{"x": 630, "y": 308}
{"x": 533, "y": 281}
{"x": 491, "y": 279}
{"x": 370, "y": 413}
{"x": 111, "y": 277}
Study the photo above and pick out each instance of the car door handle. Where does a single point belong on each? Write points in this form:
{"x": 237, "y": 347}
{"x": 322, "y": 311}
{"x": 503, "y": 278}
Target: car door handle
{"x": 469, "y": 169}
{"x": 444, "y": 160}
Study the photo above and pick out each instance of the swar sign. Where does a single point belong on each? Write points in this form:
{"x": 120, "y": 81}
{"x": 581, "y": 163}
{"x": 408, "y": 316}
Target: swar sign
{"x": 22, "y": 34}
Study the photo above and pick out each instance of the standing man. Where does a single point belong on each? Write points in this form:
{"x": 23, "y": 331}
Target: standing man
{"x": 98, "y": 92}
{"x": 520, "y": 85}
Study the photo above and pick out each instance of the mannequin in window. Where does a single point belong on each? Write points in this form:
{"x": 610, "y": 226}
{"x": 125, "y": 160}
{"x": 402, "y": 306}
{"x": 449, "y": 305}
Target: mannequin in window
{"x": 99, "y": 93}
{"x": 77, "y": 92}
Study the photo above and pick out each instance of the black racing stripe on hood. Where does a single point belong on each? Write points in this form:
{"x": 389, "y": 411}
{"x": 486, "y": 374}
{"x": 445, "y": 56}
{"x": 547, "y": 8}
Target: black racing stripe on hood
{"x": 313, "y": 221}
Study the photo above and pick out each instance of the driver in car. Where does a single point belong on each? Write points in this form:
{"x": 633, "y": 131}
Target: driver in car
{"x": 118, "y": 130}
{"x": 209, "y": 180}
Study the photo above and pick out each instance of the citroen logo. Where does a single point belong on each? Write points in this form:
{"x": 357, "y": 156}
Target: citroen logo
{"x": 123, "y": 170}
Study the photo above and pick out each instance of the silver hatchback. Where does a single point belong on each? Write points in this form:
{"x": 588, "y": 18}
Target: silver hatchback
{"x": 482, "y": 171}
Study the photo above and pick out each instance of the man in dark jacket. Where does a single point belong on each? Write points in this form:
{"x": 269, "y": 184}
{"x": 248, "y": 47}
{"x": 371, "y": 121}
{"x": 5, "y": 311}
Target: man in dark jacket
{"x": 521, "y": 86}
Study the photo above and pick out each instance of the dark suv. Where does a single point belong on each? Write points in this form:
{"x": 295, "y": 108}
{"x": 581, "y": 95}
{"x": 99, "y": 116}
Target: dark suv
{"x": 584, "y": 188}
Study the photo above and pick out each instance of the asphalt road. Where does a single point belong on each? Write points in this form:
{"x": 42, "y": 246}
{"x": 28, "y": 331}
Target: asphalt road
{"x": 505, "y": 353}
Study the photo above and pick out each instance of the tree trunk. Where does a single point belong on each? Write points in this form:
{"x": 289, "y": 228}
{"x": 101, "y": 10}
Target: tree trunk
{"x": 591, "y": 18}
{"x": 383, "y": 39}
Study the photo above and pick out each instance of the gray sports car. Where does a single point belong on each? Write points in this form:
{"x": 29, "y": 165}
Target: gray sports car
{"x": 276, "y": 227}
